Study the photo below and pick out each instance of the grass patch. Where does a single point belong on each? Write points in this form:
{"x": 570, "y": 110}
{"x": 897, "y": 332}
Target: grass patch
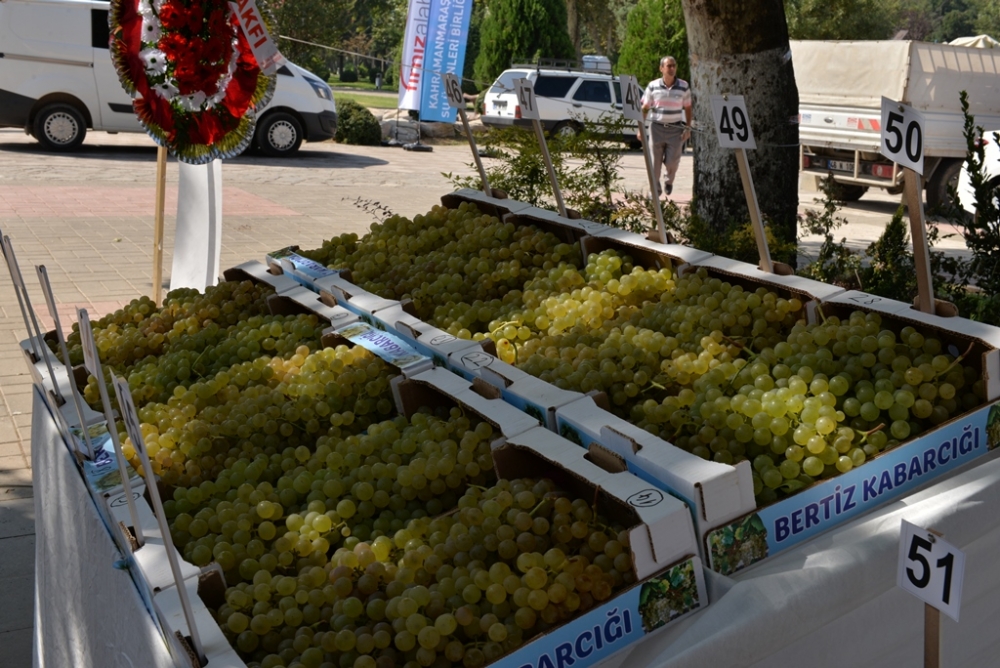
{"x": 359, "y": 85}
{"x": 369, "y": 101}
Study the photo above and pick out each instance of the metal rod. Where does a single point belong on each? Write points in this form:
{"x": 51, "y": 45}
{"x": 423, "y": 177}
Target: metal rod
{"x": 161, "y": 183}
{"x": 548, "y": 164}
{"x": 18, "y": 280}
{"x": 647, "y": 154}
{"x": 918, "y": 232}
{"x": 43, "y": 279}
{"x": 755, "y": 217}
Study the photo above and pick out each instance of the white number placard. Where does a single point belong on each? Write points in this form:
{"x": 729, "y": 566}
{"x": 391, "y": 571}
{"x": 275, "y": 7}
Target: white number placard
{"x": 453, "y": 89}
{"x": 631, "y": 98}
{"x": 129, "y": 415}
{"x": 902, "y": 135}
{"x": 526, "y": 99}
{"x": 90, "y": 358}
{"x": 931, "y": 569}
{"x": 732, "y": 122}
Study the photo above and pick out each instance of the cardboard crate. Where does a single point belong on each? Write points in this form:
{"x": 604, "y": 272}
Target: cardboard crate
{"x": 570, "y": 230}
{"x": 491, "y": 206}
{"x": 386, "y": 345}
{"x": 170, "y": 615}
{"x": 298, "y": 268}
{"x": 441, "y": 388}
{"x": 368, "y": 306}
{"x": 259, "y": 273}
{"x": 662, "y": 545}
{"x": 716, "y": 493}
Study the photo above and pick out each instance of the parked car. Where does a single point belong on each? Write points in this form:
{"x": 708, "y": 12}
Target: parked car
{"x": 566, "y": 96}
{"x": 991, "y": 167}
{"x": 57, "y": 80}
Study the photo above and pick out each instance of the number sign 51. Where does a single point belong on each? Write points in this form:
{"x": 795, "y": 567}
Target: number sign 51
{"x": 732, "y": 123}
{"x": 902, "y": 135}
{"x": 931, "y": 569}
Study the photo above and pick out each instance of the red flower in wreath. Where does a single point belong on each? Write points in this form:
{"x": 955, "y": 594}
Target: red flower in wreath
{"x": 196, "y": 81}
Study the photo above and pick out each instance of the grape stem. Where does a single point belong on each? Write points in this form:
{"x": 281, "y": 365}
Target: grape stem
{"x": 956, "y": 360}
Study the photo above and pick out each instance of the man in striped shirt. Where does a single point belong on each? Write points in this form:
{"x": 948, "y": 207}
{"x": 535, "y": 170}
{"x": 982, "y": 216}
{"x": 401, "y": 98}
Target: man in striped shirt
{"x": 667, "y": 104}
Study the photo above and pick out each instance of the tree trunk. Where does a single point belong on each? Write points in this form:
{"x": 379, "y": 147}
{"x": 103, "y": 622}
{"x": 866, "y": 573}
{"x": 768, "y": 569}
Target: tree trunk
{"x": 573, "y": 25}
{"x": 741, "y": 48}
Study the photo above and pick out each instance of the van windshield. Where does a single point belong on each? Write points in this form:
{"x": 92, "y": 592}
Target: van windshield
{"x": 505, "y": 82}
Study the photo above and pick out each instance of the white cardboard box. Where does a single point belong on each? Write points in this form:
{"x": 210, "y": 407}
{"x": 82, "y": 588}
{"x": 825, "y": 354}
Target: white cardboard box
{"x": 493, "y": 206}
{"x": 259, "y": 273}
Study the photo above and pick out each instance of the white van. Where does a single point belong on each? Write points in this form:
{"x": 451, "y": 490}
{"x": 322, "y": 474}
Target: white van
{"x": 57, "y": 80}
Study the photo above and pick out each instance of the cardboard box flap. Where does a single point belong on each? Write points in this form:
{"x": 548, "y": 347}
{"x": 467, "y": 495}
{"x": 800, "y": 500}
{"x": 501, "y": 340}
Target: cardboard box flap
{"x": 568, "y": 229}
{"x": 493, "y": 206}
{"x": 650, "y": 254}
{"x": 258, "y": 273}
{"x": 303, "y": 300}
{"x": 218, "y": 650}
{"x": 792, "y": 283}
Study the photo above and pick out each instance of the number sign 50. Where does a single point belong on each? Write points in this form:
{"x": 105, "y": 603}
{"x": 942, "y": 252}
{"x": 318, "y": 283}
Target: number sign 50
{"x": 732, "y": 123}
{"x": 902, "y": 135}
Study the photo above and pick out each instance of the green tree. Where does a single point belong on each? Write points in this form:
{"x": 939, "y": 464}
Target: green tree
{"x": 655, "y": 28}
{"x": 318, "y": 21}
{"x": 523, "y": 30}
{"x": 839, "y": 19}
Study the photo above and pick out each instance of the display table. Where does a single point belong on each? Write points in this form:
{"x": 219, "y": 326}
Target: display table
{"x": 88, "y": 611}
{"x": 832, "y": 601}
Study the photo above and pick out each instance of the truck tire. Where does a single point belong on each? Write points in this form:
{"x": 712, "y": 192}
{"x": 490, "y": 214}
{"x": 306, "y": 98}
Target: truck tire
{"x": 59, "y": 127}
{"x": 946, "y": 176}
{"x": 845, "y": 192}
{"x": 565, "y": 129}
{"x": 279, "y": 134}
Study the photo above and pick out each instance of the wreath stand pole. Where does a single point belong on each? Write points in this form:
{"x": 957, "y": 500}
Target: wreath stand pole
{"x": 161, "y": 179}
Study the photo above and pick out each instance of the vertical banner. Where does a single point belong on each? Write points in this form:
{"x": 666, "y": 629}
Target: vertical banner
{"x": 414, "y": 49}
{"x": 447, "y": 35}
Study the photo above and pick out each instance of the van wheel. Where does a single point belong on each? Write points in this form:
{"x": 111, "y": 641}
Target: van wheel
{"x": 279, "y": 134}
{"x": 566, "y": 129}
{"x": 59, "y": 127}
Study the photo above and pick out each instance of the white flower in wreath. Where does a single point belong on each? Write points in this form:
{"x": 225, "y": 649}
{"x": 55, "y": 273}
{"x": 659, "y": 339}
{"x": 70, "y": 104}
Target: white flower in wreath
{"x": 226, "y": 78}
{"x": 192, "y": 102}
{"x": 145, "y": 8}
{"x": 150, "y": 28}
{"x": 154, "y": 60}
{"x": 166, "y": 90}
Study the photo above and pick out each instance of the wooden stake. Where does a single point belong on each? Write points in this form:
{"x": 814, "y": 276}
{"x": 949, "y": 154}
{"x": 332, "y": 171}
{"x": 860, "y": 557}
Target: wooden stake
{"x": 755, "y": 217}
{"x": 647, "y": 154}
{"x": 918, "y": 233}
{"x": 932, "y": 636}
{"x": 548, "y": 164}
{"x": 475, "y": 153}
{"x": 161, "y": 186}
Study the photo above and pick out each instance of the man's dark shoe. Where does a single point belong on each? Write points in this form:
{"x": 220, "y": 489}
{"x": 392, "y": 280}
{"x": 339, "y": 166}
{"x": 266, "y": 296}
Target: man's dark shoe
{"x": 668, "y": 188}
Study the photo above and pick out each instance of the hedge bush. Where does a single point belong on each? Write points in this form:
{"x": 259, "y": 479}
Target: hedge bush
{"x": 348, "y": 76}
{"x": 357, "y": 125}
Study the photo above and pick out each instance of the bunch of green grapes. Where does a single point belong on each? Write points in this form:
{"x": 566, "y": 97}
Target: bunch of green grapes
{"x": 454, "y": 264}
{"x": 140, "y": 329}
{"x": 820, "y": 403}
{"x": 260, "y": 408}
{"x": 282, "y": 511}
{"x": 213, "y": 349}
{"x": 512, "y": 561}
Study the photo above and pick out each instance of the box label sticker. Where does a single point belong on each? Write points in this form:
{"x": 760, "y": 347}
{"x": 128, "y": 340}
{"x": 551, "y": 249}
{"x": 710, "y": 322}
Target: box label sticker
{"x": 387, "y": 346}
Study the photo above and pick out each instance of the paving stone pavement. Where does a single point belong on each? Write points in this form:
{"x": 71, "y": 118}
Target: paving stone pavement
{"x": 88, "y": 217}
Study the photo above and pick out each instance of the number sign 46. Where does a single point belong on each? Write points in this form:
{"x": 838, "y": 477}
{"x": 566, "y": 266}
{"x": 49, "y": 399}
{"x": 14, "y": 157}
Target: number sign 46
{"x": 931, "y": 569}
{"x": 453, "y": 89}
{"x": 902, "y": 135}
{"x": 732, "y": 122}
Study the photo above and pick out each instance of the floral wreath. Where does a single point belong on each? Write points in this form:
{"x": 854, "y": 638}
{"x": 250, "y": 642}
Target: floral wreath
{"x": 197, "y": 80}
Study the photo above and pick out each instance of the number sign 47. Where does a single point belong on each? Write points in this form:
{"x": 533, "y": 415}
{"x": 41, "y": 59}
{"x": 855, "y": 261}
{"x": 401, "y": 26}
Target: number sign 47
{"x": 931, "y": 569}
{"x": 732, "y": 123}
{"x": 526, "y": 98}
{"x": 902, "y": 135}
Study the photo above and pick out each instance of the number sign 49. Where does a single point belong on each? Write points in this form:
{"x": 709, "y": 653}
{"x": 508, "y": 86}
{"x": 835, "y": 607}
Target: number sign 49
{"x": 931, "y": 569}
{"x": 902, "y": 135}
{"x": 732, "y": 122}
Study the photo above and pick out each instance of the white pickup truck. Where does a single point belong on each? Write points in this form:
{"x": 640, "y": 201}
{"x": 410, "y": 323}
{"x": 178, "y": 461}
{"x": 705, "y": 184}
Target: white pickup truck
{"x": 841, "y": 85}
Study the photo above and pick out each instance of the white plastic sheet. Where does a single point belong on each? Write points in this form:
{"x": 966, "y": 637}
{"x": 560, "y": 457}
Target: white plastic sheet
{"x": 198, "y": 240}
